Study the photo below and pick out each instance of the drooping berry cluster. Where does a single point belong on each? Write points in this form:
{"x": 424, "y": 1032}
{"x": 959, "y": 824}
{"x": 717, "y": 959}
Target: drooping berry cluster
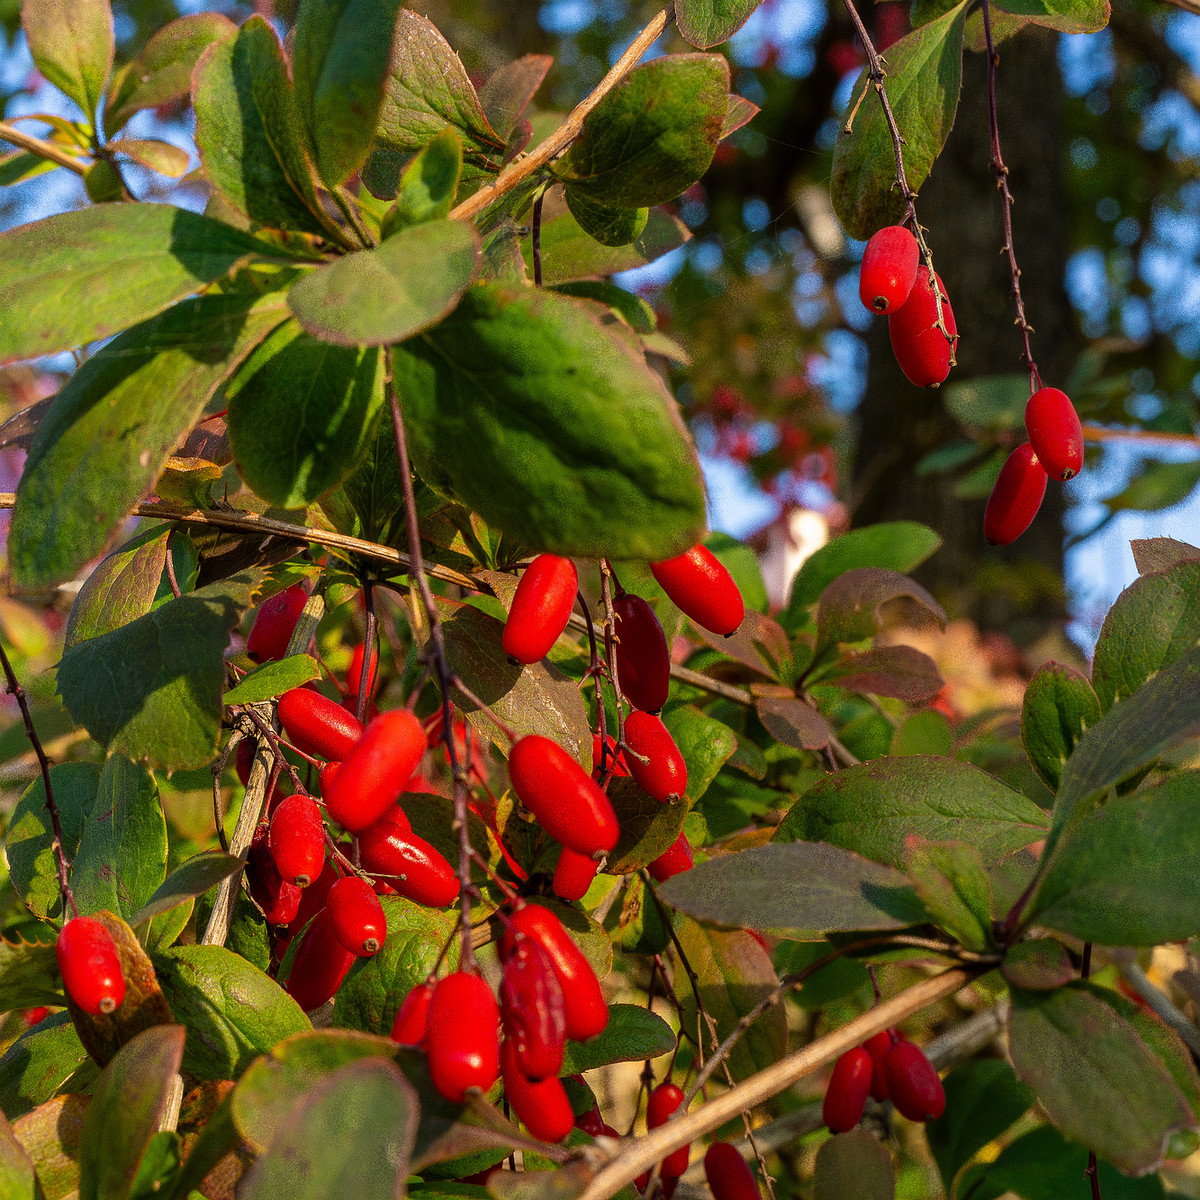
{"x": 885, "y": 1067}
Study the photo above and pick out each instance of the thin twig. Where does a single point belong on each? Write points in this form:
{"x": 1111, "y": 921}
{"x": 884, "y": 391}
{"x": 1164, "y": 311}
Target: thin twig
{"x": 1102, "y": 433}
{"x": 535, "y": 238}
{"x": 43, "y": 149}
{"x": 1158, "y": 1000}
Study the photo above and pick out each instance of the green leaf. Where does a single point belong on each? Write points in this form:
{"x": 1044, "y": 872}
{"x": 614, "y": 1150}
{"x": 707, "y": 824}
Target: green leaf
{"x": 373, "y": 991}
{"x": 1039, "y": 964}
{"x": 860, "y": 602}
{"x": 248, "y": 131}
{"x": 873, "y": 807}
{"x": 340, "y": 61}
{"x": 115, "y": 422}
{"x": 21, "y": 165}
{"x": 18, "y": 1181}
{"x": 637, "y": 924}
{"x": 648, "y": 827}
{"x": 653, "y": 135}
{"x": 705, "y": 743}
{"x": 1126, "y": 874}
{"x": 301, "y": 413}
{"x": 71, "y": 42}
{"x": 550, "y": 425}
{"x": 610, "y": 225}
{"x": 162, "y": 72}
{"x": 950, "y": 879}
{"x": 1059, "y": 706}
{"x": 152, "y": 689}
{"x": 163, "y": 157}
{"x": 707, "y": 23}
{"x": 385, "y": 295}
{"x": 923, "y": 79}
{"x": 39, "y": 1064}
{"x": 1067, "y": 16}
{"x": 1159, "y": 486}
{"x": 989, "y": 401}
{"x": 631, "y": 308}
{"x": 351, "y": 1134}
{"x": 28, "y": 975}
{"x": 510, "y": 88}
{"x": 128, "y": 1099}
{"x": 983, "y": 1098}
{"x": 1095, "y": 1077}
{"x": 1159, "y": 554}
{"x": 429, "y": 183}
{"x": 273, "y": 679}
{"x": 799, "y": 889}
{"x": 854, "y": 1166}
{"x": 233, "y": 1012}
{"x": 1151, "y": 624}
{"x": 29, "y": 839}
{"x": 189, "y": 880}
{"x": 926, "y": 732}
{"x": 85, "y": 275}
{"x": 122, "y": 855}
{"x": 632, "y": 1034}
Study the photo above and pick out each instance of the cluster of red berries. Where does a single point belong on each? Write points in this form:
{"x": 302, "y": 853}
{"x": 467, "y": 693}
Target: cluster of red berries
{"x": 90, "y": 966}
{"x": 886, "y": 1067}
{"x": 891, "y": 283}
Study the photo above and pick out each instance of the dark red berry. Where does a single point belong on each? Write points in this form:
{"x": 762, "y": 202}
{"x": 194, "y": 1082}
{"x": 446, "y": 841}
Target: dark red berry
{"x": 662, "y": 1103}
{"x": 373, "y": 774}
{"x": 357, "y": 916}
{"x": 1055, "y": 433}
{"x": 540, "y": 608}
{"x": 566, "y": 801}
{"x": 849, "y": 1086}
{"x": 297, "y": 839}
{"x": 664, "y": 776}
{"x": 542, "y": 1104}
{"x": 317, "y": 725}
{"x": 533, "y": 1009}
{"x": 34, "y": 1016}
{"x": 643, "y": 660}
{"x": 408, "y": 1029}
{"x": 462, "y": 1036}
{"x": 878, "y": 1047}
{"x": 592, "y": 1123}
{"x": 410, "y": 864}
{"x": 1016, "y": 497}
{"x": 320, "y": 964}
{"x": 614, "y": 763}
{"x": 921, "y": 348}
{"x": 672, "y": 861}
{"x": 915, "y": 1088}
{"x": 278, "y": 898}
{"x": 702, "y": 589}
{"x": 355, "y": 670}
{"x": 273, "y": 626}
{"x": 728, "y": 1174}
{"x": 90, "y": 966}
{"x": 573, "y": 874}
{"x": 889, "y": 269}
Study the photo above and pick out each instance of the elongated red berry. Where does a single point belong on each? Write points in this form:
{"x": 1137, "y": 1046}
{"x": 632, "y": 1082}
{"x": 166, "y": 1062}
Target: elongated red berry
{"x": 913, "y": 1083}
{"x": 357, "y": 916}
{"x": 889, "y": 269}
{"x": 643, "y": 660}
{"x": 278, "y": 898}
{"x": 613, "y": 762}
{"x": 566, "y": 801}
{"x": 373, "y": 774}
{"x": 1055, "y": 433}
{"x": 702, "y": 589}
{"x": 662, "y": 1103}
{"x": 921, "y": 348}
{"x": 408, "y": 863}
{"x": 408, "y": 1029}
{"x": 320, "y": 965}
{"x": 312, "y": 899}
{"x": 541, "y": 1104}
{"x": 674, "y": 860}
{"x": 878, "y": 1047}
{"x": 540, "y": 608}
{"x": 462, "y": 1036}
{"x": 533, "y": 1010}
{"x": 90, "y": 966}
{"x": 849, "y": 1086}
{"x": 573, "y": 874}
{"x": 1016, "y": 497}
{"x": 664, "y": 776}
{"x": 297, "y": 839}
{"x": 317, "y": 725}
{"x": 586, "y": 1010}
{"x": 355, "y": 670}
{"x": 728, "y": 1174}
{"x": 273, "y": 626}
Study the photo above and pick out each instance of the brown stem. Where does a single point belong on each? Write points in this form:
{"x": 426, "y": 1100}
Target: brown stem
{"x": 535, "y": 238}
{"x": 47, "y": 150}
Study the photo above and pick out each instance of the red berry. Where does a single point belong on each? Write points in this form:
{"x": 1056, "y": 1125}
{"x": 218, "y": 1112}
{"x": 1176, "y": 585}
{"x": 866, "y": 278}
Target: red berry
{"x": 592, "y": 1123}
{"x": 542, "y": 1105}
{"x": 586, "y": 1010}
{"x": 317, "y": 725}
{"x": 643, "y": 661}
{"x": 357, "y": 916}
{"x": 614, "y": 763}
{"x": 35, "y": 1016}
{"x": 849, "y": 1086}
{"x": 703, "y": 589}
{"x": 562, "y": 796}
{"x": 728, "y": 1174}
{"x": 573, "y": 874}
{"x": 1055, "y": 433}
{"x": 1016, "y": 497}
{"x": 878, "y": 1047}
{"x": 889, "y": 269}
{"x": 320, "y": 964}
{"x": 273, "y": 626}
{"x": 90, "y": 966}
{"x": 914, "y": 1085}
{"x": 661, "y": 1105}
{"x": 373, "y": 774}
{"x": 664, "y": 776}
{"x": 674, "y": 860}
{"x": 297, "y": 839}
{"x": 354, "y": 672}
{"x": 408, "y": 1029}
{"x": 278, "y": 899}
{"x": 540, "y": 608}
{"x": 533, "y": 1010}
{"x": 312, "y": 899}
{"x": 462, "y": 1036}
{"x": 921, "y": 348}
{"x": 410, "y": 864}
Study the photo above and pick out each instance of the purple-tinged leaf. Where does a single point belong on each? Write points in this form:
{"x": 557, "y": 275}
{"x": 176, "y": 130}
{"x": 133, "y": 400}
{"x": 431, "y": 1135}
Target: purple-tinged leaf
{"x": 859, "y": 603}
{"x": 510, "y": 88}
{"x": 902, "y": 672}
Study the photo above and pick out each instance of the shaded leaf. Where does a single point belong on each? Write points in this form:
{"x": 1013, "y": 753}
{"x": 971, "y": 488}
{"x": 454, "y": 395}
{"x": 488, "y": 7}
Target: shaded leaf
{"x": 705, "y": 743}
{"x": 1158, "y": 486}
{"x": 861, "y": 601}
{"x": 950, "y": 879}
{"x": 50, "y": 1135}
{"x": 39, "y": 1063}
{"x": 636, "y": 312}
{"x": 429, "y": 183}
{"x": 988, "y": 402}
{"x": 632, "y": 1034}
{"x": 707, "y": 23}
{"x": 1067, "y": 16}
{"x": 926, "y": 732}
{"x": 71, "y": 43}
{"x": 1038, "y": 965}
{"x": 1059, "y": 706}
{"x": 121, "y": 588}
{"x": 789, "y": 720}
{"x": 648, "y": 827}
{"x": 510, "y": 88}
{"x": 1158, "y": 554}
{"x": 854, "y": 1166}
{"x": 190, "y": 879}
{"x": 900, "y": 671}
{"x": 28, "y": 975}
{"x": 610, "y": 225}
{"x": 17, "y": 1178}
